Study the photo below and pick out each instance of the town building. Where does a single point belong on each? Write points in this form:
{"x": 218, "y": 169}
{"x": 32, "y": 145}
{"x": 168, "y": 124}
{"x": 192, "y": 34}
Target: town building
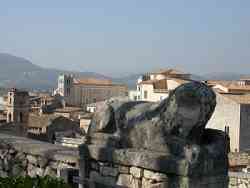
{"x": 17, "y": 106}
{"x": 232, "y": 113}
{"x": 155, "y": 86}
{"x": 69, "y": 112}
{"x": 81, "y": 92}
{"x": 46, "y": 127}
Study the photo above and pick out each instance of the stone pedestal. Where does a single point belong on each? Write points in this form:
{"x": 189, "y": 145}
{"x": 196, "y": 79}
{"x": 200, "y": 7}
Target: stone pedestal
{"x": 146, "y": 169}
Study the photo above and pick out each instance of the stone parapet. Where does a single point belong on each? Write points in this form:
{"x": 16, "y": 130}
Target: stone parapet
{"x": 145, "y": 169}
{"x": 21, "y": 156}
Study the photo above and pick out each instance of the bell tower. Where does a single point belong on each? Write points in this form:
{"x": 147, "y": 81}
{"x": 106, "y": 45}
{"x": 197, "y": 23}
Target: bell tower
{"x": 17, "y": 107}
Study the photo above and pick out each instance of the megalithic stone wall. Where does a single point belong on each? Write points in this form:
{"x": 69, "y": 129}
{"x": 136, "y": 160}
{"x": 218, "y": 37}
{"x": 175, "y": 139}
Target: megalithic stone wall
{"x": 25, "y": 157}
{"x": 145, "y": 169}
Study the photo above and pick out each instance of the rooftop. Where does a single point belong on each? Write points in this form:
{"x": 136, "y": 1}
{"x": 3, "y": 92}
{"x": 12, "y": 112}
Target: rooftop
{"x": 232, "y": 86}
{"x": 41, "y": 121}
{"x": 169, "y": 72}
{"x": 92, "y": 81}
{"x": 239, "y": 98}
{"x": 162, "y": 84}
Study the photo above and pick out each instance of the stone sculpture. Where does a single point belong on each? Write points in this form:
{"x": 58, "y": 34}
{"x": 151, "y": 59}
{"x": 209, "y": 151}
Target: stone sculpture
{"x": 169, "y": 126}
{"x": 169, "y": 137}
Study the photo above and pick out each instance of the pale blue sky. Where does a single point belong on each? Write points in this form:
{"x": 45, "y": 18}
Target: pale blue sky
{"x": 116, "y": 37}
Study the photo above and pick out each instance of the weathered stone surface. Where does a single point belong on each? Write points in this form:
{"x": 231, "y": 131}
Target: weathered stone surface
{"x": 3, "y": 174}
{"x": 109, "y": 171}
{"x": 31, "y": 170}
{"x": 46, "y": 159}
{"x": 149, "y": 184}
{"x": 94, "y": 166}
{"x": 50, "y": 172}
{"x": 147, "y": 125}
{"x": 159, "y": 177}
{"x": 136, "y": 172}
{"x": 32, "y": 159}
{"x": 166, "y": 144}
{"x": 125, "y": 180}
{"x": 123, "y": 169}
{"x": 98, "y": 178}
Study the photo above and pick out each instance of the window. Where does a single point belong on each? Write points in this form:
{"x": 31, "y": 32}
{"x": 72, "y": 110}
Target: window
{"x": 21, "y": 117}
{"x": 227, "y": 130}
{"x": 145, "y": 94}
{"x": 10, "y": 117}
{"x": 68, "y": 91}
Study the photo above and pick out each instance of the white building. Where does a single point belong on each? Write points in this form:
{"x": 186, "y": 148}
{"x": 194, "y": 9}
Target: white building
{"x": 156, "y": 86}
{"x": 232, "y": 112}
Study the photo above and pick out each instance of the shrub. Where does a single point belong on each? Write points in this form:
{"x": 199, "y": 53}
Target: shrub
{"x": 28, "y": 182}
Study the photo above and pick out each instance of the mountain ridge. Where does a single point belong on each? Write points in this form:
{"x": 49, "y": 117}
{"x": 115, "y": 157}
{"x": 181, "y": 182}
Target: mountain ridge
{"x": 22, "y": 73}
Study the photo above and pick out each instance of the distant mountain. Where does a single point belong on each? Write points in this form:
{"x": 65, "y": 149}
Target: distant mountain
{"x": 21, "y": 73}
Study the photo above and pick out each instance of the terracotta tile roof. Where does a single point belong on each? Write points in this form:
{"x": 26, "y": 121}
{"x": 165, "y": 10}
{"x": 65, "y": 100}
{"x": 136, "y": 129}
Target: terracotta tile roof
{"x": 169, "y": 72}
{"x": 149, "y": 82}
{"x": 232, "y": 86}
{"x": 92, "y": 81}
{"x": 241, "y": 99}
{"x": 97, "y": 82}
{"x": 180, "y": 81}
{"x": 162, "y": 84}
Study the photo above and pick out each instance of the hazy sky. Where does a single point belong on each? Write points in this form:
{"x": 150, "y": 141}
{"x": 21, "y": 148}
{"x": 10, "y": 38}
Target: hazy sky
{"x": 127, "y": 36}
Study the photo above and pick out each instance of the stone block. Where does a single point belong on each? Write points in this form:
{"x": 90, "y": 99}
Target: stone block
{"x": 136, "y": 172}
{"x": 98, "y": 178}
{"x": 123, "y": 169}
{"x": 12, "y": 151}
{"x": 94, "y": 166}
{"x": 158, "y": 177}
{"x": 149, "y": 184}
{"x": 53, "y": 164}
{"x": 3, "y": 153}
{"x": 50, "y": 172}
{"x": 42, "y": 161}
{"x": 34, "y": 171}
{"x": 125, "y": 180}
{"x": 18, "y": 170}
{"x": 3, "y": 174}
{"x": 6, "y": 164}
{"x": 32, "y": 159}
{"x": 109, "y": 171}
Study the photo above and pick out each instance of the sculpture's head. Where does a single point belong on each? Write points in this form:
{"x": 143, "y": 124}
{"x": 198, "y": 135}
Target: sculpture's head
{"x": 188, "y": 109}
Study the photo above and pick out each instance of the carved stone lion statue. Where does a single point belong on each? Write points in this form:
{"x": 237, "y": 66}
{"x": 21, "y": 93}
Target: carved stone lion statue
{"x": 175, "y": 125}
